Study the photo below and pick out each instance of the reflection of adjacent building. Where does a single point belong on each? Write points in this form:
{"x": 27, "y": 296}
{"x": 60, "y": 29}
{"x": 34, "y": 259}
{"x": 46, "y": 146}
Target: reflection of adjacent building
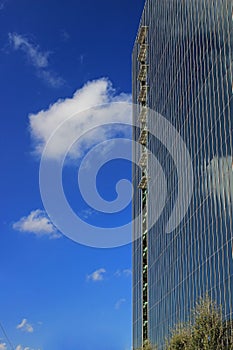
{"x": 182, "y": 69}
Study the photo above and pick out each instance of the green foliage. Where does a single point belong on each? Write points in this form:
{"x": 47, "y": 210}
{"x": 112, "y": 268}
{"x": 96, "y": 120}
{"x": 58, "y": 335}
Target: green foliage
{"x": 180, "y": 338}
{"x": 206, "y": 330}
{"x": 147, "y": 346}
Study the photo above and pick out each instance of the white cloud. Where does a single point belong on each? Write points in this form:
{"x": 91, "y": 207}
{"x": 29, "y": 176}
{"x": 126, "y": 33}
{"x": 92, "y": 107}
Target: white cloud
{"x": 3, "y": 346}
{"x": 127, "y": 272}
{"x": 87, "y": 213}
{"x": 20, "y": 347}
{"x": 25, "y": 326}
{"x": 97, "y": 92}
{"x": 36, "y": 57}
{"x": 97, "y": 275}
{"x": 81, "y": 58}
{"x": 124, "y": 272}
{"x": 2, "y": 6}
{"x": 219, "y": 179}
{"x": 37, "y": 223}
{"x": 51, "y": 78}
{"x": 65, "y": 36}
{"x": 119, "y": 303}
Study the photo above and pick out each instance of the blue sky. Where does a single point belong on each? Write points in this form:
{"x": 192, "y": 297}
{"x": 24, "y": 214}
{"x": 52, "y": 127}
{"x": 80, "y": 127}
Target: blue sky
{"x": 56, "y": 294}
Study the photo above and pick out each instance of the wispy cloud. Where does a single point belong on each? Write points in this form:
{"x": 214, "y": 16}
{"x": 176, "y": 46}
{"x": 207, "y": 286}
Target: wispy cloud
{"x": 36, "y": 57}
{"x": 65, "y": 36}
{"x": 2, "y": 6}
{"x": 38, "y": 224}
{"x": 25, "y": 326}
{"x": 98, "y": 92}
{"x": 81, "y": 58}
{"x": 124, "y": 272}
{"x": 97, "y": 275}
{"x": 3, "y": 346}
{"x": 119, "y": 303}
{"x": 51, "y": 78}
{"x": 87, "y": 213}
{"x": 20, "y": 347}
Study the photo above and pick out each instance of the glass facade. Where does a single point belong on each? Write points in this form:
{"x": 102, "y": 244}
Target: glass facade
{"x": 182, "y": 69}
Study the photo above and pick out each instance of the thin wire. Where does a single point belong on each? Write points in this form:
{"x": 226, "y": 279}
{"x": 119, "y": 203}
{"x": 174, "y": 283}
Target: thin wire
{"x": 6, "y": 336}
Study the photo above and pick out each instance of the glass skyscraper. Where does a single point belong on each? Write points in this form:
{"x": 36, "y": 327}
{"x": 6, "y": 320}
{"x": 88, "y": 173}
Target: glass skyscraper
{"x": 182, "y": 69}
